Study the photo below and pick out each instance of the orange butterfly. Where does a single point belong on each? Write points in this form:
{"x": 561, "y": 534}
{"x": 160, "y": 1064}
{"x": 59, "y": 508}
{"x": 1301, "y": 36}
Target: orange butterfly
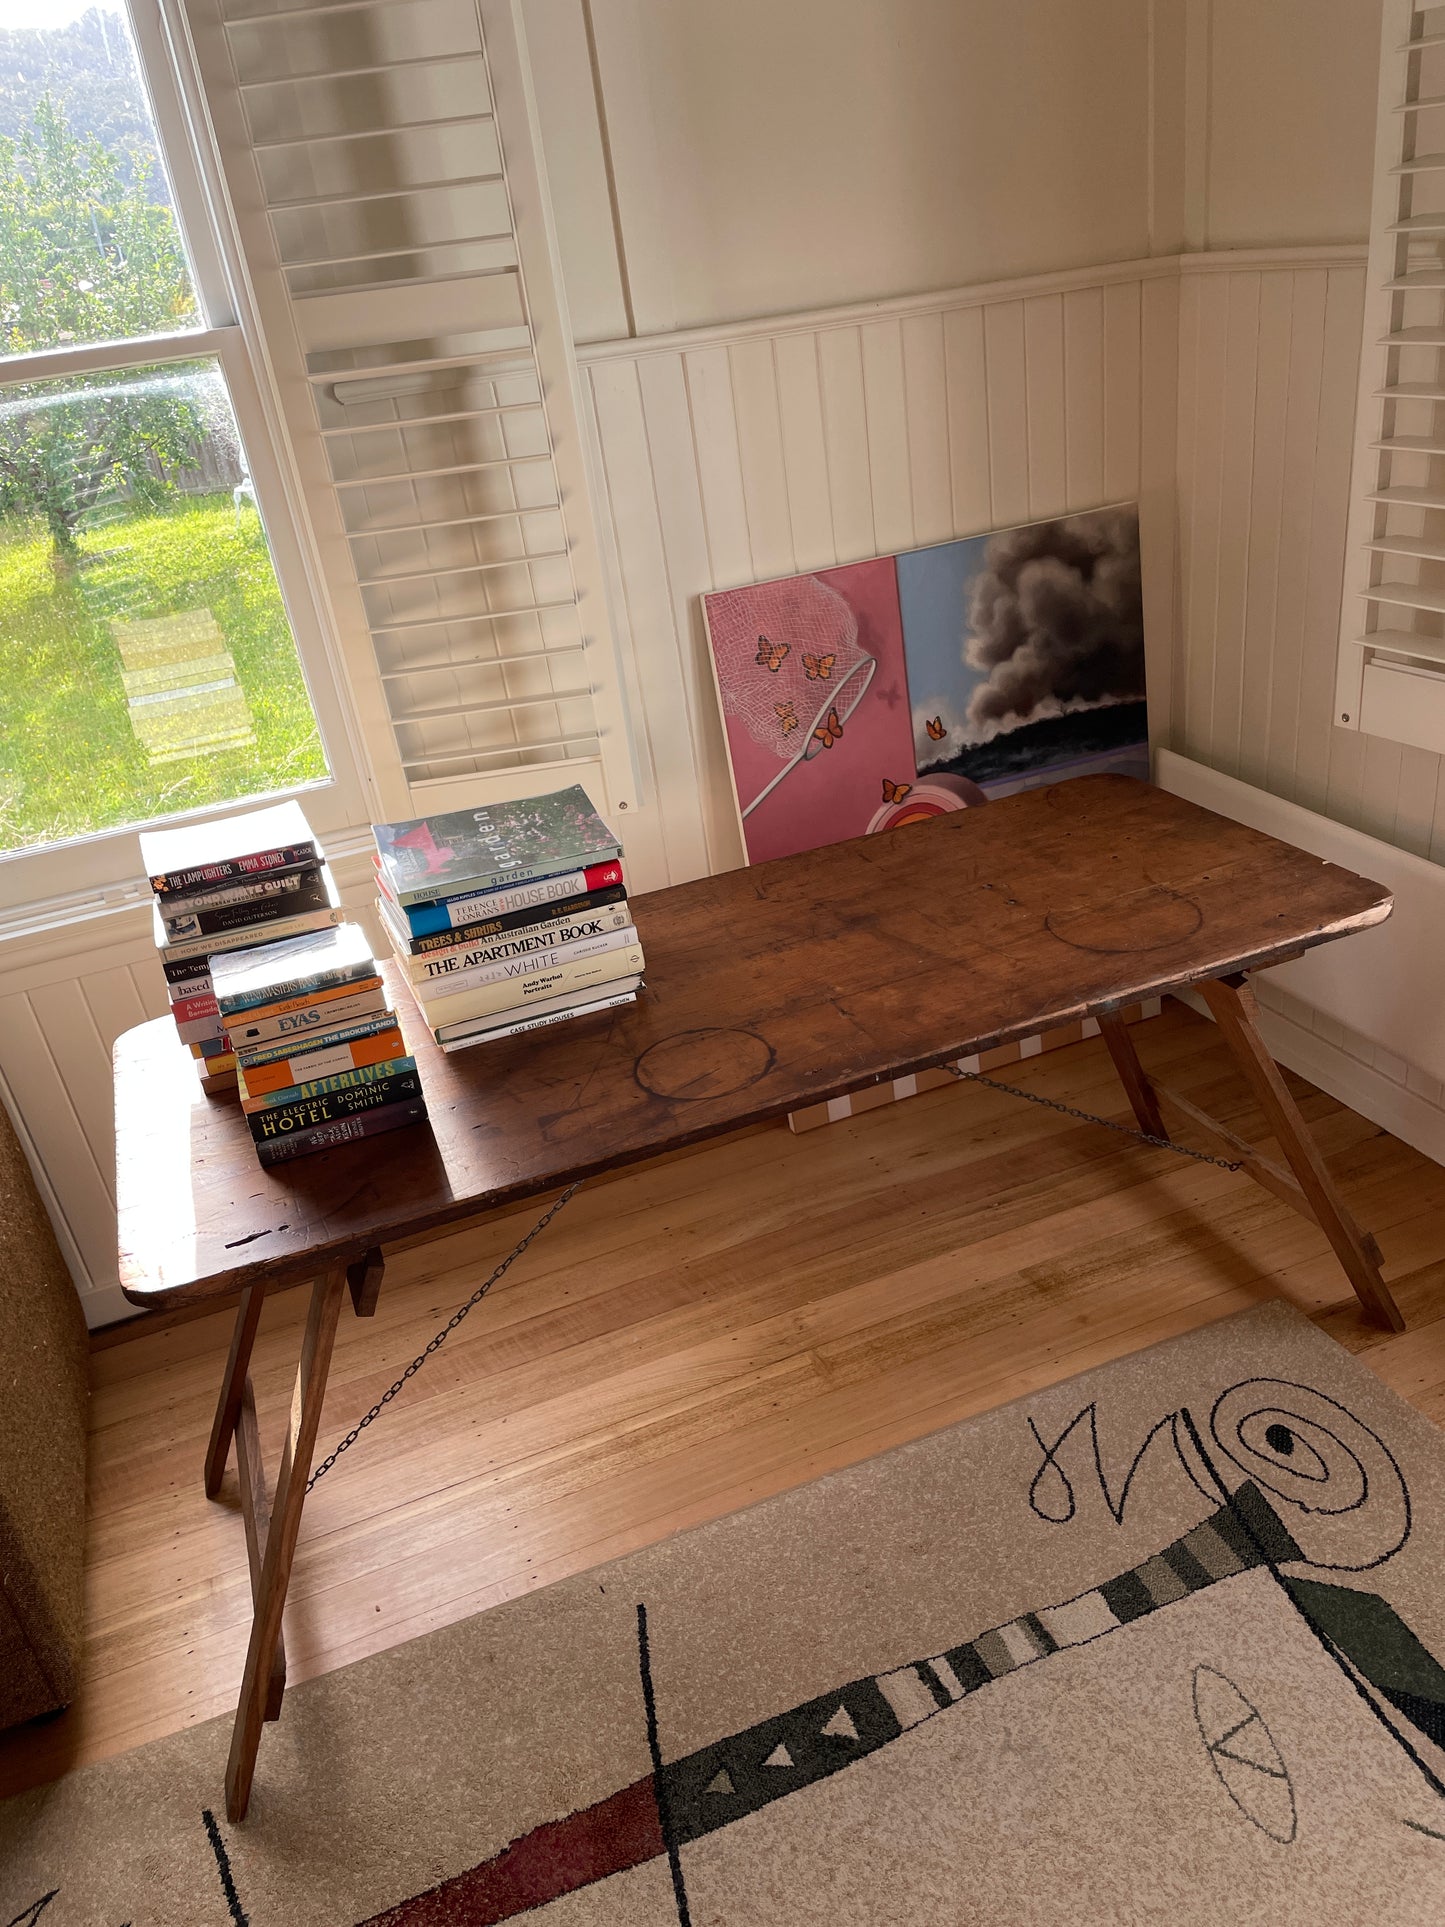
{"x": 772, "y": 655}
{"x": 829, "y": 731}
{"x": 784, "y": 714}
{"x": 936, "y": 729}
{"x": 895, "y": 792}
{"x": 818, "y": 668}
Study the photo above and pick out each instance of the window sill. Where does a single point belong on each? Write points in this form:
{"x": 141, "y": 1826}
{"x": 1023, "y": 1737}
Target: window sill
{"x": 120, "y": 913}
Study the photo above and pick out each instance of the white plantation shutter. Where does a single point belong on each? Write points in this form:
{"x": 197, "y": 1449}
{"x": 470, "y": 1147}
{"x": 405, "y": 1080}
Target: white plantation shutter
{"x": 1391, "y": 679}
{"x": 381, "y": 158}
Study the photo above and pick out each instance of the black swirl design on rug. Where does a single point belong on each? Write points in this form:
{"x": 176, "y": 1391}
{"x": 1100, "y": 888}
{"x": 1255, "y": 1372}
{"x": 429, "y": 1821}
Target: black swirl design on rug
{"x": 1313, "y": 1453}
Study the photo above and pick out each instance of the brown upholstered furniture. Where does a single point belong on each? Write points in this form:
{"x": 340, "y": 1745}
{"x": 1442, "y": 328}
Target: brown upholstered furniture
{"x": 44, "y": 1384}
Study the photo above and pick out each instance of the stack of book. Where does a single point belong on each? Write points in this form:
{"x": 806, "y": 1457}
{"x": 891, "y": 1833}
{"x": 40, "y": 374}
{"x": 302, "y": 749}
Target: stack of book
{"x": 508, "y": 918}
{"x": 223, "y": 887}
{"x": 320, "y": 1058}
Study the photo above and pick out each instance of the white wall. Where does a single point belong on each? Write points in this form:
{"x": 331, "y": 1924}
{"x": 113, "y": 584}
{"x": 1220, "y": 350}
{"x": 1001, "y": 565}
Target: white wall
{"x": 711, "y": 163}
{"x": 1290, "y": 89}
{"x": 770, "y": 156}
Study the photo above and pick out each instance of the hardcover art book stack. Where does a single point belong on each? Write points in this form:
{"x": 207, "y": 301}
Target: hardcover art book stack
{"x": 222, "y": 888}
{"x": 320, "y": 1058}
{"x": 508, "y": 918}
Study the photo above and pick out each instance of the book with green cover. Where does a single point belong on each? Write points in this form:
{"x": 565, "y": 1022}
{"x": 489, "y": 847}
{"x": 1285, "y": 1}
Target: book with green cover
{"x": 432, "y": 857}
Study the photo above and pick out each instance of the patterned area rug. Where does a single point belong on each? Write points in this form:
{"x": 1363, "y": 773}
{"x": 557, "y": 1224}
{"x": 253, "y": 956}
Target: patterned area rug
{"x": 1157, "y": 1644}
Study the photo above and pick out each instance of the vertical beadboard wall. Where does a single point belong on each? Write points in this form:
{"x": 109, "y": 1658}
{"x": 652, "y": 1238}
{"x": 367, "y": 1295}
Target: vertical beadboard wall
{"x": 1269, "y": 349}
{"x": 729, "y": 455}
{"x": 64, "y": 1003}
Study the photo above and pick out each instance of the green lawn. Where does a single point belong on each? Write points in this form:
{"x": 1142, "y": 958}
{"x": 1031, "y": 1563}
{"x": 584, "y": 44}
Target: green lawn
{"x": 69, "y": 759}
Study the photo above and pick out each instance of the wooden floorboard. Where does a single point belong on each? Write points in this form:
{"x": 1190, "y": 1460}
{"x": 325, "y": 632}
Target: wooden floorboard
{"x": 691, "y": 1337}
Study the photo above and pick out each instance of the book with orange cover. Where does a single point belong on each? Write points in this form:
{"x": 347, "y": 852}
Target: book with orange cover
{"x": 330, "y": 1060}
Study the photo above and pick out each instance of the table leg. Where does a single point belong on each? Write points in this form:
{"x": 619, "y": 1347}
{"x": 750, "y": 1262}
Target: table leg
{"x": 228, "y": 1408}
{"x": 281, "y": 1536}
{"x": 364, "y": 1282}
{"x": 1231, "y": 1003}
{"x": 1137, "y": 1088}
{"x": 256, "y": 1512}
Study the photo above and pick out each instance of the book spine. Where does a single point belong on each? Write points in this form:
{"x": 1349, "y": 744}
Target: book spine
{"x": 371, "y": 1025}
{"x": 399, "y": 1065}
{"x": 205, "y": 1043}
{"x": 522, "y": 985}
{"x": 345, "y": 1130}
{"x": 192, "y": 1007}
{"x": 187, "y": 977}
{"x": 484, "y": 883}
{"x": 441, "y": 964}
{"x": 257, "y": 890}
{"x": 194, "y": 947}
{"x": 442, "y": 942}
{"x": 539, "y": 1022}
{"x": 425, "y": 919}
{"x": 283, "y": 996}
{"x": 435, "y": 998}
{"x": 313, "y": 1020}
{"x": 308, "y": 892}
{"x": 190, "y": 977}
{"x": 279, "y": 1120}
{"x": 234, "y": 869}
{"x": 304, "y": 1070}
{"x": 301, "y": 1000}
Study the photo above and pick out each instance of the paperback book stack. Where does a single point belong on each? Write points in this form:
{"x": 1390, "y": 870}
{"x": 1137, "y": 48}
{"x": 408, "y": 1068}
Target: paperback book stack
{"x": 508, "y": 918}
{"x": 319, "y": 1056}
{"x": 224, "y": 887}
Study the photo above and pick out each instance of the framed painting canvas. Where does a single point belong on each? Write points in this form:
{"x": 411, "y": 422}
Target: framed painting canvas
{"x": 814, "y": 695}
{"x": 861, "y": 698}
{"x": 1025, "y": 652}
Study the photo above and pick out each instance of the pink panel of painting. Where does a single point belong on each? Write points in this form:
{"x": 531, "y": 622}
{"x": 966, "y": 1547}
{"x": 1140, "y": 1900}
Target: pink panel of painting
{"x": 815, "y": 702}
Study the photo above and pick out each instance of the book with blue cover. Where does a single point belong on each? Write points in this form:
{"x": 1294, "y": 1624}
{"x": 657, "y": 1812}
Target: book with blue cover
{"x": 462, "y": 852}
{"x": 457, "y": 913}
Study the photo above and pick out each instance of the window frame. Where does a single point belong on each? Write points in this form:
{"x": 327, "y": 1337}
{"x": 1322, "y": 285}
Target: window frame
{"x": 57, "y": 881}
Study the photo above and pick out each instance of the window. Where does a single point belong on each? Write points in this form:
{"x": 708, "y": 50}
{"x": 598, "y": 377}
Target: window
{"x": 150, "y": 663}
{"x": 1391, "y": 676}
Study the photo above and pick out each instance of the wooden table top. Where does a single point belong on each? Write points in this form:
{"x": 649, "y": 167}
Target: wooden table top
{"x": 768, "y": 989}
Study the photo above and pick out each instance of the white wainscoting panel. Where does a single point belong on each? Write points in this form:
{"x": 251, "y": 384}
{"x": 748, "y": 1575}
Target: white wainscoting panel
{"x": 1269, "y": 354}
{"x": 61, "y": 1010}
{"x": 729, "y": 455}
{"x": 1378, "y": 993}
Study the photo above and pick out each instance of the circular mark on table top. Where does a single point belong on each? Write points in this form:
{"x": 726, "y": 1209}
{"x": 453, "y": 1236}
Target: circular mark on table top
{"x": 1153, "y": 920}
{"x": 699, "y": 1064}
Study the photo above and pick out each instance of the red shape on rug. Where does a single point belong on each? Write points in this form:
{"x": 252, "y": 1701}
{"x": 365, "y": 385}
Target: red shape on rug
{"x": 556, "y": 1858}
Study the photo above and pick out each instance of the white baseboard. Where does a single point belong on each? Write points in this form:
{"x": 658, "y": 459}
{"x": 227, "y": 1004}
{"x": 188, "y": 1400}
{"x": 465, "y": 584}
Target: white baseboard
{"x": 106, "y": 1305}
{"x": 1395, "y": 1108}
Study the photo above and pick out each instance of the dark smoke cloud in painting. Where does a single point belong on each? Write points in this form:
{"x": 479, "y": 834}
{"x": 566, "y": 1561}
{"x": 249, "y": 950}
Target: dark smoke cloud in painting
{"x": 1025, "y": 652}
{"x": 1057, "y": 618}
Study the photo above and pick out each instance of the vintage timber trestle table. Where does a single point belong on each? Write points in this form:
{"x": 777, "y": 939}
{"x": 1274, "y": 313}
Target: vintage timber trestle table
{"x": 768, "y": 989}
